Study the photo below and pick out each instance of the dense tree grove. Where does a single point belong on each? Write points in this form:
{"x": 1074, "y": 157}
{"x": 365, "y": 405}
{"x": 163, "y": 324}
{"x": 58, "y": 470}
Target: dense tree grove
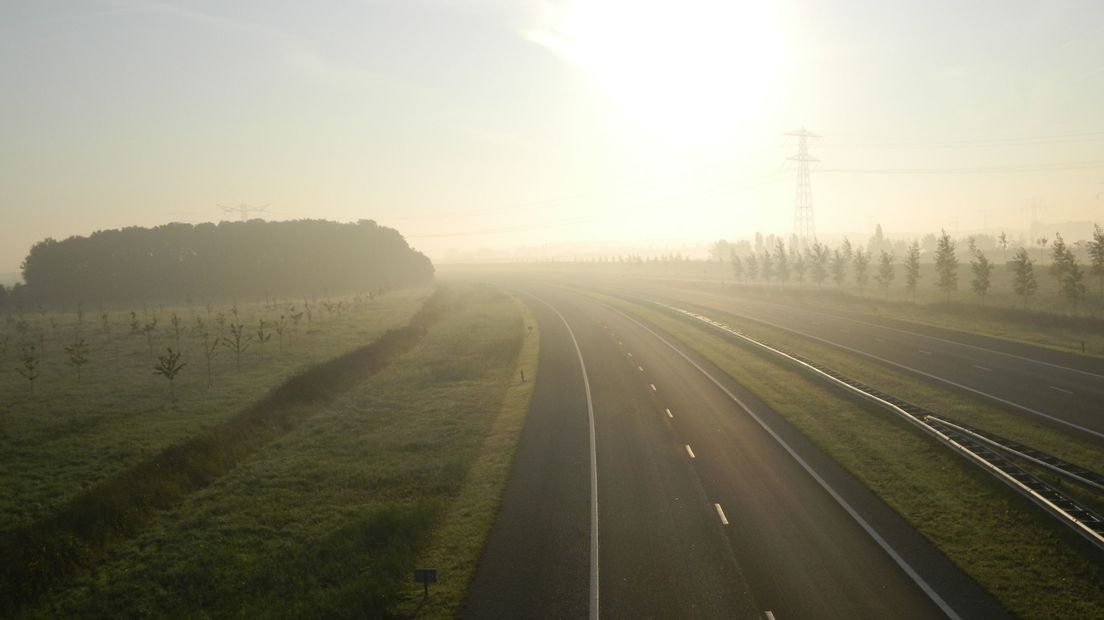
{"x": 225, "y": 260}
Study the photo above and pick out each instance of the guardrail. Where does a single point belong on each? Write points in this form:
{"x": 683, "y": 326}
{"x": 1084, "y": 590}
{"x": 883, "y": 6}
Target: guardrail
{"x": 979, "y": 447}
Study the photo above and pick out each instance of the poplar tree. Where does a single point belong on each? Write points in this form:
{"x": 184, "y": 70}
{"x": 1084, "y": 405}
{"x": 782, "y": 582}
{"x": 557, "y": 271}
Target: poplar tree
{"x": 983, "y": 270}
{"x": 912, "y": 269}
{"x": 946, "y": 265}
{"x": 885, "y": 274}
{"x": 1023, "y": 275}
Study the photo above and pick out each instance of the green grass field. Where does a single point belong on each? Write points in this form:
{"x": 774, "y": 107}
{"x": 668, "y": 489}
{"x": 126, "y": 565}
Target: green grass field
{"x": 1031, "y": 564}
{"x": 328, "y": 519}
{"x": 70, "y": 435}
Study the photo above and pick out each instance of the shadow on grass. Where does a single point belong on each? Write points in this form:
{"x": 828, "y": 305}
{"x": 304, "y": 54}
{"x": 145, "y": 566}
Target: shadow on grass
{"x": 38, "y": 556}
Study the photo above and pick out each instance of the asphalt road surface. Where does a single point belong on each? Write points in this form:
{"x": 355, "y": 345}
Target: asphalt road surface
{"x": 708, "y": 504}
{"x": 1052, "y": 387}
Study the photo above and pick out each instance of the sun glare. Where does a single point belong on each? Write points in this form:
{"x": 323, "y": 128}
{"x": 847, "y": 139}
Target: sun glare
{"x": 693, "y": 70}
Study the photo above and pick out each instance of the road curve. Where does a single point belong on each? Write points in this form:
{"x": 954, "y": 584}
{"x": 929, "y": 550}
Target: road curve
{"x": 703, "y": 511}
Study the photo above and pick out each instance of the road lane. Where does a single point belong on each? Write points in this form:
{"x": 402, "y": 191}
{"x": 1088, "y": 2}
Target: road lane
{"x": 1048, "y": 389}
{"x": 698, "y": 503}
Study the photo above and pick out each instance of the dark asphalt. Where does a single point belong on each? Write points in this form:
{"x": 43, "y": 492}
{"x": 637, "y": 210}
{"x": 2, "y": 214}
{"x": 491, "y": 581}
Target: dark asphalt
{"x": 1045, "y": 386}
{"x": 790, "y": 547}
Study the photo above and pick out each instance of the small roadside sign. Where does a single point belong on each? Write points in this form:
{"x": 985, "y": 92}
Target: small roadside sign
{"x": 425, "y": 576}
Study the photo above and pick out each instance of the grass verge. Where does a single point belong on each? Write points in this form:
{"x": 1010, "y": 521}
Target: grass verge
{"x": 1034, "y": 566}
{"x": 457, "y": 542}
{"x": 328, "y": 519}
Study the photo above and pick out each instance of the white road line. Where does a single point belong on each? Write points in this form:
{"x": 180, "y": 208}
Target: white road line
{"x": 972, "y": 346}
{"x": 593, "y": 469}
{"x": 653, "y": 386}
{"x": 983, "y": 368}
{"x": 669, "y": 414}
{"x": 768, "y": 614}
{"x": 619, "y": 343}
{"x": 925, "y": 352}
{"x": 1058, "y": 389}
{"x": 883, "y": 543}
{"x": 690, "y": 452}
{"x": 721, "y": 514}
{"x": 929, "y": 375}
{"x": 629, "y": 354}
{"x": 640, "y": 368}
{"x": 880, "y": 339}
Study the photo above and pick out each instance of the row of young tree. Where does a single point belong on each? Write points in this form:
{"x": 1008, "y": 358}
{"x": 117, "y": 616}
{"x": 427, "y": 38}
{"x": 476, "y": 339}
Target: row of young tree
{"x": 819, "y": 263}
{"x": 217, "y": 261}
{"x": 203, "y": 338}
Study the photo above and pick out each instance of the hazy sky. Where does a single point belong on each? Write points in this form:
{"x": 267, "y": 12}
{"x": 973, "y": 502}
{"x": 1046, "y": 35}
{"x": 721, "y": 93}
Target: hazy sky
{"x": 501, "y": 123}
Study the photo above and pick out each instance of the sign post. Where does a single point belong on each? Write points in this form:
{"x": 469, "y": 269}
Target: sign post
{"x": 425, "y": 576}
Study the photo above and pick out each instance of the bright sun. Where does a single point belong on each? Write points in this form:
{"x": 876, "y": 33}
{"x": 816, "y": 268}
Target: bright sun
{"x": 692, "y": 70}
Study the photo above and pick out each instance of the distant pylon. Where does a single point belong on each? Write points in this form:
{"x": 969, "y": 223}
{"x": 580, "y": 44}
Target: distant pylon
{"x": 804, "y": 229}
{"x": 243, "y": 210}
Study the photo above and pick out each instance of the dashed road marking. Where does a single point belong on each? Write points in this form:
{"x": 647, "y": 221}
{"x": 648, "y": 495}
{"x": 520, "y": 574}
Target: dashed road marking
{"x": 690, "y": 452}
{"x": 1058, "y": 389}
{"x": 925, "y": 352}
{"x": 640, "y": 368}
{"x": 983, "y": 368}
{"x": 669, "y": 414}
{"x": 721, "y": 514}
{"x": 653, "y": 386}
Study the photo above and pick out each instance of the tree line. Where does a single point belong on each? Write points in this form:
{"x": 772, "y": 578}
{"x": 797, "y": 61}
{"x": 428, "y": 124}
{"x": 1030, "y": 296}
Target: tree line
{"x": 775, "y": 262}
{"x": 217, "y": 261}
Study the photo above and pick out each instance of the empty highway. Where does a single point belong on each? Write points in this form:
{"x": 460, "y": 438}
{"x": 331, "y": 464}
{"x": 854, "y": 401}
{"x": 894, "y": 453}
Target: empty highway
{"x": 1060, "y": 389}
{"x": 647, "y": 484}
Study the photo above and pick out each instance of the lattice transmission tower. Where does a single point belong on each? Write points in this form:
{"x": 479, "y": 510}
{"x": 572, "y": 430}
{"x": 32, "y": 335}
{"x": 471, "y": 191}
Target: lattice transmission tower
{"x": 243, "y": 210}
{"x": 804, "y": 228}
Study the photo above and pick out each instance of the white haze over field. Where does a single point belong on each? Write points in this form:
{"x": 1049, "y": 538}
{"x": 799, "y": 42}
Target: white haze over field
{"x": 478, "y": 128}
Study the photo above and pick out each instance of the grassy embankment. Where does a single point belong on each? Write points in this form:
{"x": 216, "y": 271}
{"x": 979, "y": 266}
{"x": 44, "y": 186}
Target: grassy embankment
{"x": 70, "y": 435}
{"x": 1032, "y": 565}
{"x": 328, "y": 519}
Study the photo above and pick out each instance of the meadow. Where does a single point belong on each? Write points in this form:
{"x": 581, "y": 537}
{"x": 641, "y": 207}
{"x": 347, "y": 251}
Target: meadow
{"x": 328, "y": 515}
{"x": 64, "y": 432}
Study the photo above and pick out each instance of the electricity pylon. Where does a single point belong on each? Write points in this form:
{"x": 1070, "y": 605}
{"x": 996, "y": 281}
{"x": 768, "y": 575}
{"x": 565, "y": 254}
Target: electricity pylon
{"x": 804, "y": 229}
{"x": 243, "y": 210}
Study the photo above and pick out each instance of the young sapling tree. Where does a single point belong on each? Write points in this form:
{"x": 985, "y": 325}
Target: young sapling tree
{"x": 28, "y": 365}
{"x": 281, "y": 329}
{"x": 176, "y": 323}
{"x": 148, "y": 330}
{"x": 76, "y": 355}
{"x": 262, "y": 336}
{"x": 238, "y": 342}
{"x": 168, "y": 366}
{"x": 210, "y": 352}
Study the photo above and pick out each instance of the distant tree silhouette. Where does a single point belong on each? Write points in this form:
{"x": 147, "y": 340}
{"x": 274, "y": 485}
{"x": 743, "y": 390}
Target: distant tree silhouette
{"x": 229, "y": 259}
{"x": 1096, "y": 254}
{"x": 1023, "y": 275}
{"x": 861, "y": 261}
{"x": 912, "y": 269}
{"x": 885, "y": 274}
{"x": 946, "y": 265}
{"x": 983, "y": 270}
